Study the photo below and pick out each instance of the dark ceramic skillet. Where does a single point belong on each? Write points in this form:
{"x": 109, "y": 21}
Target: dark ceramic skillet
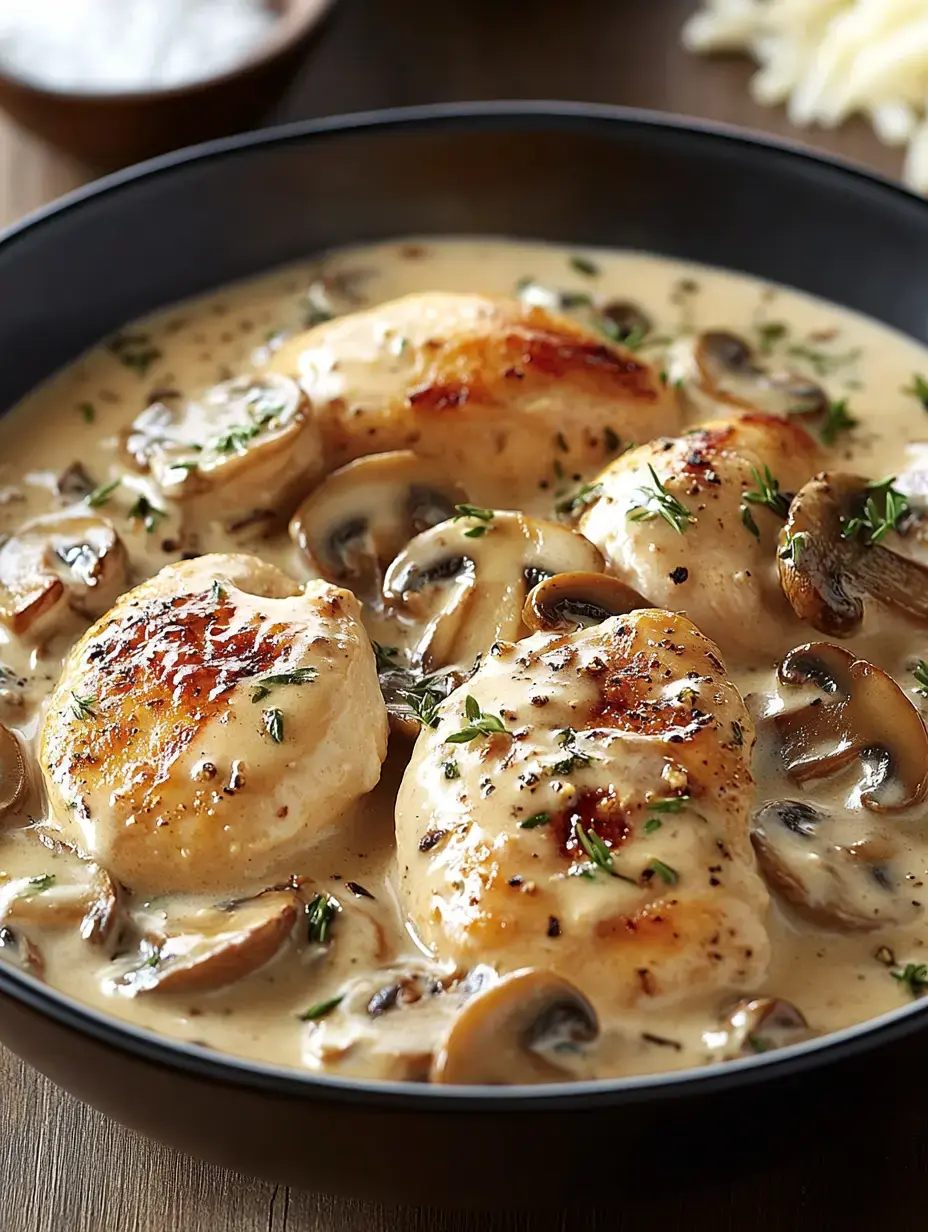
{"x": 571, "y": 173}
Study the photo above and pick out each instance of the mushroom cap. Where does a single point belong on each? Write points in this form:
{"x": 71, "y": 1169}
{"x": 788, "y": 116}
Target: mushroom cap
{"x": 763, "y": 1024}
{"x": 12, "y": 771}
{"x": 495, "y": 1038}
{"x": 570, "y": 601}
{"x": 72, "y": 560}
{"x": 489, "y": 386}
{"x": 863, "y": 715}
{"x": 221, "y": 945}
{"x": 356, "y": 521}
{"x": 465, "y": 581}
{"x": 247, "y": 445}
{"x": 717, "y": 368}
{"x": 214, "y": 725}
{"x": 840, "y": 886}
{"x": 828, "y": 578}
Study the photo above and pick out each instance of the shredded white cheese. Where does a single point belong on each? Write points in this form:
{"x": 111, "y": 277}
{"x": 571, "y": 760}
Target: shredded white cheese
{"x": 109, "y": 46}
{"x": 826, "y": 59}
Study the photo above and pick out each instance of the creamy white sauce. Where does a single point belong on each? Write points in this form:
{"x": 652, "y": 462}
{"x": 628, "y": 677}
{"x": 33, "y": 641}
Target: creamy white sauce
{"x": 78, "y": 415}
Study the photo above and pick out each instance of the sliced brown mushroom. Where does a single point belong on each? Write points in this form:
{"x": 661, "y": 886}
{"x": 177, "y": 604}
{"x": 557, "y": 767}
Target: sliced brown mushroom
{"x": 720, "y": 367}
{"x": 248, "y": 446}
{"x": 843, "y": 886}
{"x": 464, "y": 582}
{"x": 95, "y": 905}
{"x": 570, "y": 601}
{"x": 763, "y": 1024}
{"x": 826, "y": 573}
{"x": 12, "y": 771}
{"x": 102, "y": 921}
{"x": 864, "y": 716}
{"x": 220, "y": 946}
{"x": 511, "y": 1032}
{"x": 17, "y": 947}
{"x": 72, "y": 560}
{"x": 354, "y": 524}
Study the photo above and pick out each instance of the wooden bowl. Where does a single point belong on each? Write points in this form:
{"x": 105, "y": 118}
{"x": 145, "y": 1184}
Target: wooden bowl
{"x": 109, "y": 130}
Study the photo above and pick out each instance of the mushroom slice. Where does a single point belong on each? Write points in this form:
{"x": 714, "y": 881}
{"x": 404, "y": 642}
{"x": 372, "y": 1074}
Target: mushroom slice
{"x": 16, "y": 945}
{"x": 511, "y": 1032}
{"x": 247, "y": 445}
{"x": 12, "y": 771}
{"x": 719, "y": 367}
{"x": 72, "y": 560}
{"x": 825, "y": 572}
{"x": 864, "y": 715}
{"x": 845, "y": 887}
{"x": 222, "y": 945}
{"x": 571, "y": 601}
{"x": 354, "y": 524}
{"x": 763, "y": 1024}
{"x": 465, "y": 581}
{"x": 101, "y": 922}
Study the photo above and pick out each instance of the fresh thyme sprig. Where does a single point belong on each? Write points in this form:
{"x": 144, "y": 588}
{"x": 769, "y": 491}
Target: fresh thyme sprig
{"x": 483, "y": 516}
{"x": 298, "y": 675}
{"x": 883, "y": 511}
{"x": 663, "y": 504}
{"x": 479, "y": 724}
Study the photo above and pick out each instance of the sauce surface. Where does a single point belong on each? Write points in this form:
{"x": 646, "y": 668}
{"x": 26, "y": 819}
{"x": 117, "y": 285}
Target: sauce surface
{"x": 312, "y": 1005}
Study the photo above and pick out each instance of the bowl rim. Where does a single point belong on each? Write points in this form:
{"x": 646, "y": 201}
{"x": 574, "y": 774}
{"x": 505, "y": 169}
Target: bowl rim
{"x": 291, "y": 29}
{"x": 240, "y": 1072}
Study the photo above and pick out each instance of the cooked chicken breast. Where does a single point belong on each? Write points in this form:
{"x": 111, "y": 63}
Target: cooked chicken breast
{"x": 212, "y": 726}
{"x": 602, "y": 834}
{"x": 690, "y": 537}
{"x": 506, "y": 394}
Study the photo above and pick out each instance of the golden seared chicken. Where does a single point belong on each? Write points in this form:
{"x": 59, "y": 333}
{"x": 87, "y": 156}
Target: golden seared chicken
{"x": 213, "y": 725}
{"x": 692, "y": 523}
{"x": 504, "y": 393}
{"x": 582, "y": 805}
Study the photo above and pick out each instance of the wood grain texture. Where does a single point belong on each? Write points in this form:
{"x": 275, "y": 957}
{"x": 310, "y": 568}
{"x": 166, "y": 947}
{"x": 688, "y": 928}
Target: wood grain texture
{"x": 66, "y": 1168}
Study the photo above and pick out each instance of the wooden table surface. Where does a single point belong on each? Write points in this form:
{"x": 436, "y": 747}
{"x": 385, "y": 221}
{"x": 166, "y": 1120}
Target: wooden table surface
{"x": 66, "y": 1168}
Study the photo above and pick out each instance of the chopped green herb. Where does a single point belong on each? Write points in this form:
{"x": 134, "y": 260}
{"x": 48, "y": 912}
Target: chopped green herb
{"x": 875, "y": 523}
{"x": 747, "y": 521}
{"x": 580, "y": 499}
{"x": 652, "y": 824}
{"x": 598, "y": 852}
{"x": 672, "y": 804}
{"x": 632, "y": 340}
{"x": 759, "y": 1044}
{"x": 450, "y": 768}
{"x": 99, "y": 496}
{"x": 146, "y": 512}
{"x": 321, "y": 1009}
{"x": 472, "y": 511}
{"x": 320, "y": 912}
{"x": 920, "y": 672}
{"x": 37, "y": 884}
{"x": 583, "y": 265}
{"x": 83, "y": 707}
{"x": 562, "y": 442}
{"x": 567, "y": 739}
{"x": 915, "y": 978}
{"x": 665, "y": 872}
{"x": 479, "y": 724}
{"x": 385, "y": 656}
{"x": 768, "y": 492}
{"x": 793, "y": 546}
{"x": 134, "y": 351}
{"x": 532, "y": 823}
{"x": 87, "y": 411}
{"x": 558, "y": 469}
{"x": 235, "y": 439}
{"x": 274, "y": 725}
{"x": 299, "y": 675}
{"x": 823, "y": 363}
{"x": 918, "y": 389}
{"x": 837, "y": 419}
{"x": 661, "y": 503}
{"x": 769, "y": 333}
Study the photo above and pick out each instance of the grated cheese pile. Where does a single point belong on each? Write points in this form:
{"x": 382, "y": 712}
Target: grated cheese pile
{"x": 827, "y": 59}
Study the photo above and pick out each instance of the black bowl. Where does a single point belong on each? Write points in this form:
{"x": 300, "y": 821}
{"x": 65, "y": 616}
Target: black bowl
{"x": 578, "y": 174}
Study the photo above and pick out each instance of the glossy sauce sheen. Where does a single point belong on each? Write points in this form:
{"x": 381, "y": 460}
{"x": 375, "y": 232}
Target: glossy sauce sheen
{"x": 77, "y": 416}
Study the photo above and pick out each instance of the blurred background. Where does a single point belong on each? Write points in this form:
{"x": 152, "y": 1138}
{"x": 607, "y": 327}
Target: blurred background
{"x": 106, "y": 82}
